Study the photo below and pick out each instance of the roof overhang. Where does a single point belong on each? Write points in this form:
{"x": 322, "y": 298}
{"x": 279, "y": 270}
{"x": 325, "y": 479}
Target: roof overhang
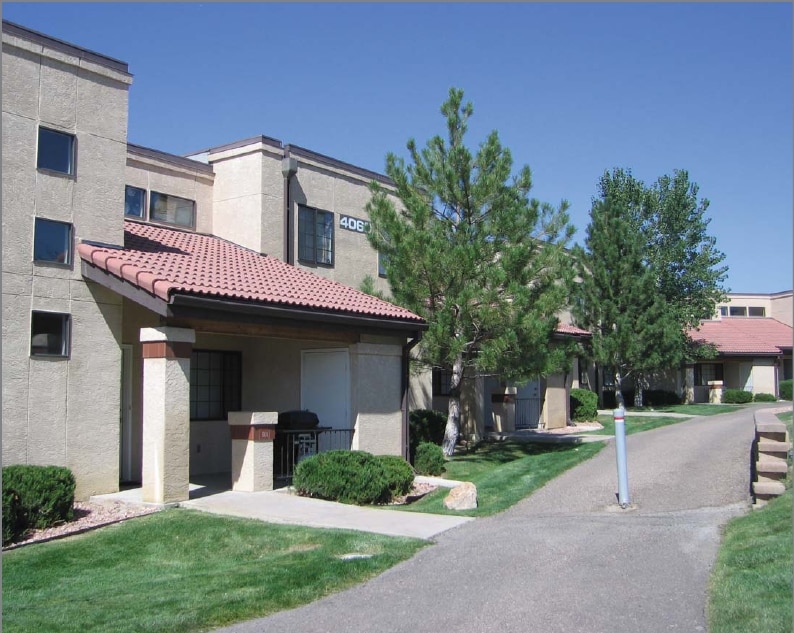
{"x": 187, "y": 306}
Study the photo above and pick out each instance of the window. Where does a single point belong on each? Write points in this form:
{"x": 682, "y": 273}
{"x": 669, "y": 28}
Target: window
{"x": 315, "y": 236}
{"x": 135, "y": 202}
{"x": 52, "y": 241}
{"x": 442, "y": 379}
{"x": 49, "y": 334}
{"x": 738, "y": 311}
{"x": 704, "y": 372}
{"x": 56, "y": 151}
{"x": 754, "y": 311}
{"x": 215, "y": 384}
{"x": 381, "y": 264}
{"x": 724, "y": 311}
{"x": 172, "y": 210}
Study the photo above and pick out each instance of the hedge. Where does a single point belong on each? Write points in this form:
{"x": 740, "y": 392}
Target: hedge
{"x": 736, "y": 396}
{"x": 430, "y": 459}
{"x": 425, "y": 425}
{"x": 35, "y": 497}
{"x": 764, "y": 397}
{"x": 399, "y": 474}
{"x": 584, "y": 405}
{"x": 354, "y": 477}
{"x": 784, "y": 389}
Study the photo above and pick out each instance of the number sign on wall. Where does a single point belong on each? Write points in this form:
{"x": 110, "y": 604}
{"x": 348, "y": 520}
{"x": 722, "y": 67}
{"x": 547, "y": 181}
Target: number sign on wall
{"x": 353, "y": 224}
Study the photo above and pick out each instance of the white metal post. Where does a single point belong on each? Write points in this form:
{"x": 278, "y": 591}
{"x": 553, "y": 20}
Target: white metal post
{"x": 620, "y": 445}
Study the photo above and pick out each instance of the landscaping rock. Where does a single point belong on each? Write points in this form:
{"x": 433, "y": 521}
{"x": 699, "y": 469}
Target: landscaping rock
{"x": 462, "y": 497}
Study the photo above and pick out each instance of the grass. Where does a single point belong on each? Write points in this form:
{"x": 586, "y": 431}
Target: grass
{"x": 505, "y": 472}
{"x": 787, "y": 417}
{"x": 750, "y": 588}
{"x": 692, "y": 409}
{"x": 181, "y": 570}
{"x": 635, "y": 424}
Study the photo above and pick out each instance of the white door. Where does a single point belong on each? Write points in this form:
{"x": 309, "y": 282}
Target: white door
{"x": 325, "y": 386}
{"x": 125, "y": 445}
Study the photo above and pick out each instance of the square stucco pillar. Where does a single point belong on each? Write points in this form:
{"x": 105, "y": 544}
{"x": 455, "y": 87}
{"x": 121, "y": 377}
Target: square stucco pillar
{"x": 557, "y": 406}
{"x": 252, "y": 435}
{"x": 166, "y": 413}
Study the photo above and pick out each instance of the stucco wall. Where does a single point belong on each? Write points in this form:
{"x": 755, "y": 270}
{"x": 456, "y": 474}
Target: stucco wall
{"x": 51, "y": 410}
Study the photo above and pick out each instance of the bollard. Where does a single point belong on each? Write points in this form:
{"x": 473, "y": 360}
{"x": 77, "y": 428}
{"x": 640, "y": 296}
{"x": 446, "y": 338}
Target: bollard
{"x": 620, "y": 445}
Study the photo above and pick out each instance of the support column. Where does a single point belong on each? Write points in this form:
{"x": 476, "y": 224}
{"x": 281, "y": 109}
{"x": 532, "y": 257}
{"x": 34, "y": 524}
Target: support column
{"x": 166, "y": 413}
{"x": 557, "y": 405}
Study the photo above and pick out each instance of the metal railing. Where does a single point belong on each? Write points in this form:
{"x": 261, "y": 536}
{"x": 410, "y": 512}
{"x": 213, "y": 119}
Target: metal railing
{"x": 290, "y": 447}
{"x": 528, "y": 413}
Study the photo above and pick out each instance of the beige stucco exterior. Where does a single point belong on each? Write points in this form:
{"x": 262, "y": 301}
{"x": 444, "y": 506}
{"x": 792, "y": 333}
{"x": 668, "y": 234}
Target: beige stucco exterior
{"x": 777, "y": 305}
{"x": 51, "y": 412}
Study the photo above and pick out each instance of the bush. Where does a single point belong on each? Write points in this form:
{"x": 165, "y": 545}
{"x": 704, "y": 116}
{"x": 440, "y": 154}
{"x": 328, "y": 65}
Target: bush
{"x": 784, "y": 389}
{"x": 659, "y": 398}
{"x": 12, "y": 513}
{"x": 399, "y": 474}
{"x": 45, "y": 496}
{"x": 429, "y": 459}
{"x": 764, "y": 397}
{"x": 355, "y": 477}
{"x": 425, "y": 425}
{"x": 584, "y": 405}
{"x": 736, "y": 396}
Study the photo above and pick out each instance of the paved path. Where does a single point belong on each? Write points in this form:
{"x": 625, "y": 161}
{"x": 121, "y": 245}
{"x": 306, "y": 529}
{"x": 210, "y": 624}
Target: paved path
{"x": 567, "y": 559}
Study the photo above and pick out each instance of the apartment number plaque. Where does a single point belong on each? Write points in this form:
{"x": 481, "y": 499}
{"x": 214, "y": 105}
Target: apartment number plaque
{"x": 353, "y": 224}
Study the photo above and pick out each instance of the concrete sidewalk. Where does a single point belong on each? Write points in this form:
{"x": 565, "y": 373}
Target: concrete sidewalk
{"x": 285, "y": 507}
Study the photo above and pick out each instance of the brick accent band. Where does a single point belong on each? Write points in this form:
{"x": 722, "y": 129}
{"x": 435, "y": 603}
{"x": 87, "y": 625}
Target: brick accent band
{"x": 253, "y": 432}
{"x": 166, "y": 349}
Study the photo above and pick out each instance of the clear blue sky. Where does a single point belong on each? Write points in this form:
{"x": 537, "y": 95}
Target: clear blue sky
{"x": 574, "y": 89}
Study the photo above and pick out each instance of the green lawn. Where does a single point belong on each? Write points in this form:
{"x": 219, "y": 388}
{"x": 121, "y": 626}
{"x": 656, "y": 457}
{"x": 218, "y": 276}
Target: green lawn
{"x": 786, "y": 417}
{"x": 504, "y": 473}
{"x": 750, "y": 588}
{"x": 635, "y": 424}
{"x": 692, "y": 409}
{"x": 182, "y": 570}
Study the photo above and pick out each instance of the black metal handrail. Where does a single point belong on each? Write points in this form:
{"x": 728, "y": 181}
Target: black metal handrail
{"x": 292, "y": 446}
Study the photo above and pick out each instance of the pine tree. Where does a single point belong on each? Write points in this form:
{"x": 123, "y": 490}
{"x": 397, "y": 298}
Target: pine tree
{"x": 469, "y": 251}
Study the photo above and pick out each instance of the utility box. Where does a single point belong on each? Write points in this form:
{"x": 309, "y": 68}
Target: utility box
{"x": 252, "y": 434}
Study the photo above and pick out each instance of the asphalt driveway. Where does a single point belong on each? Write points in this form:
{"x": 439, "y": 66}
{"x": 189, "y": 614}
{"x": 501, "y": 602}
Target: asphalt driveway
{"x": 567, "y": 558}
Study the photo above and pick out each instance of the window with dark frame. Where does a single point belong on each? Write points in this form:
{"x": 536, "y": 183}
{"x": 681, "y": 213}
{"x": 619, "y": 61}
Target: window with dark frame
{"x": 724, "y": 311}
{"x": 215, "y": 384}
{"x": 135, "y": 202}
{"x": 315, "y": 236}
{"x": 50, "y": 334}
{"x": 442, "y": 380}
{"x": 381, "y": 264}
{"x": 55, "y": 151}
{"x": 756, "y": 311}
{"x": 52, "y": 241}
{"x": 170, "y": 209}
{"x": 738, "y": 311}
{"x": 704, "y": 372}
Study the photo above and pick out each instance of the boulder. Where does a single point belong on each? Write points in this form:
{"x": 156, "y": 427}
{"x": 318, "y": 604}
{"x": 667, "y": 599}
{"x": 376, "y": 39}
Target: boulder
{"x": 462, "y": 497}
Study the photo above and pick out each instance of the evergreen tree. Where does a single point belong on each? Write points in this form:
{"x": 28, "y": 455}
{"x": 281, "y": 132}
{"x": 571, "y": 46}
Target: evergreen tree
{"x": 472, "y": 254}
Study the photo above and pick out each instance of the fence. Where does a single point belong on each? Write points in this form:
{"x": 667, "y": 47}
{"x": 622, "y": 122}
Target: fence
{"x": 292, "y": 446}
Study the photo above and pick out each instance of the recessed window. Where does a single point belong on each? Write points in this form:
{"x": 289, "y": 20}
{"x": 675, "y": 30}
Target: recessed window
{"x": 381, "y": 264}
{"x": 56, "y": 151}
{"x": 724, "y": 311}
{"x": 49, "y": 334}
{"x": 704, "y": 372}
{"x": 738, "y": 311}
{"x": 52, "y": 241}
{"x": 315, "y": 236}
{"x": 755, "y": 311}
{"x": 172, "y": 210}
{"x": 215, "y": 384}
{"x": 135, "y": 202}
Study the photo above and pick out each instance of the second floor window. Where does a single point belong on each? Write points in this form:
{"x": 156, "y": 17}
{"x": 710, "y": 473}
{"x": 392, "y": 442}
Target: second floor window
{"x": 135, "y": 202}
{"x": 55, "y": 151}
{"x": 161, "y": 207}
{"x": 52, "y": 241}
{"x": 315, "y": 236}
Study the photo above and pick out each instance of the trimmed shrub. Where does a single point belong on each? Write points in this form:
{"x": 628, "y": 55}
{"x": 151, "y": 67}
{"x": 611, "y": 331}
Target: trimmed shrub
{"x": 354, "y": 477}
{"x": 584, "y": 405}
{"x": 12, "y": 512}
{"x": 785, "y": 388}
{"x": 399, "y": 474}
{"x": 764, "y": 397}
{"x": 429, "y": 459}
{"x": 736, "y": 396}
{"x": 425, "y": 425}
{"x": 45, "y": 494}
{"x": 659, "y": 398}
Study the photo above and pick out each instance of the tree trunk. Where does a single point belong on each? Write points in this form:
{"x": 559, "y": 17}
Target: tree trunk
{"x": 638, "y": 389}
{"x": 619, "y": 390}
{"x": 453, "y": 412}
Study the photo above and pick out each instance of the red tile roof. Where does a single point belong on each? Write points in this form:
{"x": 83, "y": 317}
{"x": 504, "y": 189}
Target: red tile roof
{"x": 165, "y": 261}
{"x": 564, "y": 328}
{"x": 745, "y": 335}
